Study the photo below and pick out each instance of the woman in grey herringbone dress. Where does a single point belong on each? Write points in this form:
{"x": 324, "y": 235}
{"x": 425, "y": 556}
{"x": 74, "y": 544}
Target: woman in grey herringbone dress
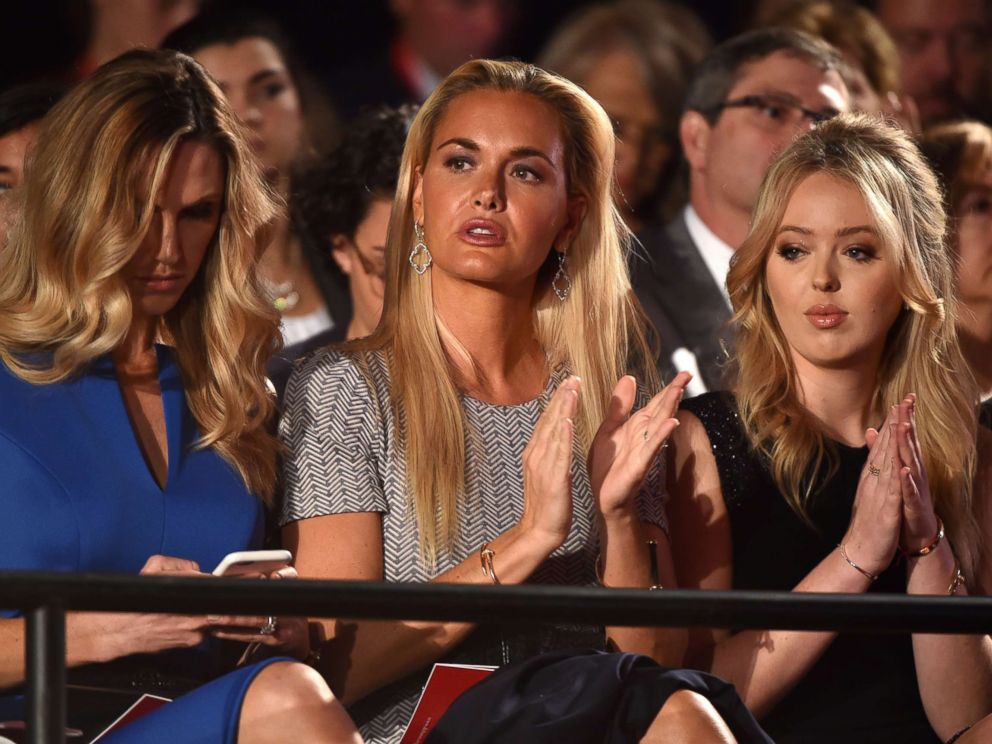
{"x": 456, "y": 435}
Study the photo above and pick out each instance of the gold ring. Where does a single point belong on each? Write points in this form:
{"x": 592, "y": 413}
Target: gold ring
{"x": 872, "y": 470}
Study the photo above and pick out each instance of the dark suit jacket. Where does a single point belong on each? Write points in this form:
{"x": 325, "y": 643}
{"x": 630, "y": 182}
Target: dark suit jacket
{"x": 677, "y": 291}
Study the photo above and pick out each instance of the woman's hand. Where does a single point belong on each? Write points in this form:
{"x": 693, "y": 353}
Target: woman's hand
{"x": 547, "y": 459}
{"x": 876, "y": 520}
{"x": 291, "y": 634}
{"x": 626, "y": 446}
{"x": 111, "y": 635}
{"x": 919, "y": 521}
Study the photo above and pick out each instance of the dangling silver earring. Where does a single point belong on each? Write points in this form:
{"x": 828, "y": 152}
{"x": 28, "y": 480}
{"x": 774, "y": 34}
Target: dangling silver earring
{"x": 562, "y": 283}
{"x": 421, "y": 247}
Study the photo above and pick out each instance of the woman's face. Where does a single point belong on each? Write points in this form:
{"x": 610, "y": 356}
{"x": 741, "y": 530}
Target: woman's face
{"x": 13, "y": 149}
{"x": 363, "y": 259}
{"x": 830, "y": 278}
{"x": 259, "y": 88}
{"x": 493, "y": 194}
{"x": 617, "y": 82}
{"x": 973, "y": 237}
{"x": 187, "y": 214}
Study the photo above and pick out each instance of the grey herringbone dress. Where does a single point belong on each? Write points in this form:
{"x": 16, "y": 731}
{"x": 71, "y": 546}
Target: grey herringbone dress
{"x": 343, "y": 457}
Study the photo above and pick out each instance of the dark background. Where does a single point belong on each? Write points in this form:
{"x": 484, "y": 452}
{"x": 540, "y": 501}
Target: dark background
{"x": 43, "y": 38}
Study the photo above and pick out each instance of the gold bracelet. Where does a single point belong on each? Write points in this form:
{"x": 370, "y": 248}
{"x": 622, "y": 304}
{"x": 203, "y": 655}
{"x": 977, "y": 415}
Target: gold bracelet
{"x": 486, "y": 555}
{"x": 652, "y": 560}
{"x": 957, "y": 581}
{"x": 855, "y": 566}
{"x": 928, "y": 549}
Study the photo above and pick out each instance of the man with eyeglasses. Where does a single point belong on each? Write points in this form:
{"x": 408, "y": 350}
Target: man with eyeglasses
{"x": 749, "y": 99}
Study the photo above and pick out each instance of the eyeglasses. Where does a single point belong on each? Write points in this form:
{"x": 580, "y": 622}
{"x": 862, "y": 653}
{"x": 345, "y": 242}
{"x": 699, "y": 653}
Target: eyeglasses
{"x": 778, "y": 110}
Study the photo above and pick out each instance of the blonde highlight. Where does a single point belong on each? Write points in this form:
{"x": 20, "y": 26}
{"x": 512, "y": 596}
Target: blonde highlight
{"x": 62, "y": 300}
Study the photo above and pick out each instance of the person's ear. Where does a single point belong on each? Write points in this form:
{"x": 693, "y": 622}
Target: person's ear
{"x": 341, "y": 252}
{"x": 418, "y": 196}
{"x": 694, "y": 134}
{"x": 575, "y": 213}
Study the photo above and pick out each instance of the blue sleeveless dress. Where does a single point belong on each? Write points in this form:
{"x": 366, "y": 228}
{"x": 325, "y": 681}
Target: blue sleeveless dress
{"x": 77, "y": 495}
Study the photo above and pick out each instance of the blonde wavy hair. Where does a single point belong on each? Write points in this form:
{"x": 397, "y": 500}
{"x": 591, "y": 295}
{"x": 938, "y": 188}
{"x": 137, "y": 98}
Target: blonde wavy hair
{"x": 87, "y": 203}
{"x": 921, "y": 352}
{"x": 598, "y": 333}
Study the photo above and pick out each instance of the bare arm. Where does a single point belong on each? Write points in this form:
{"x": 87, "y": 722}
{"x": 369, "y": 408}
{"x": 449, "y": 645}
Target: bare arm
{"x": 763, "y": 665}
{"x": 104, "y": 636}
{"x": 954, "y": 672}
{"x": 624, "y": 450}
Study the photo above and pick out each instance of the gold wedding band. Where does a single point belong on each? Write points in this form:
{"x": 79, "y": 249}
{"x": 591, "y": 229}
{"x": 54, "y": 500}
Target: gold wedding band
{"x": 872, "y": 470}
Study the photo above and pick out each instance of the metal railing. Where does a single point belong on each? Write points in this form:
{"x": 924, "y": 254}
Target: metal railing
{"x": 44, "y": 599}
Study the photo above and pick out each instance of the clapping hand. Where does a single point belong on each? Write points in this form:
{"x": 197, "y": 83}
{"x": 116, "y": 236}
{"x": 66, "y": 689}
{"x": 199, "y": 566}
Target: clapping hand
{"x": 876, "y": 519}
{"x": 626, "y": 446}
{"x": 919, "y": 520}
{"x": 547, "y": 463}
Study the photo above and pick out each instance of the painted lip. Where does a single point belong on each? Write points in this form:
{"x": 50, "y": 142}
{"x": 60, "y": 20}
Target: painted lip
{"x": 161, "y": 282}
{"x": 826, "y": 316}
{"x": 487, "y": 233}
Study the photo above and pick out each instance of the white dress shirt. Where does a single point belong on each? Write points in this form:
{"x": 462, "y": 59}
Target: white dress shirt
{"x": 714, "y": 252}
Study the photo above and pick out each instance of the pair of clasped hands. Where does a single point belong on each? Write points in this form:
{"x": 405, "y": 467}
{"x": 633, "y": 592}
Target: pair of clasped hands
{"x": 115, "y": 635}
{"x": 892, "y": 509}
{"x": 620, "y": 456}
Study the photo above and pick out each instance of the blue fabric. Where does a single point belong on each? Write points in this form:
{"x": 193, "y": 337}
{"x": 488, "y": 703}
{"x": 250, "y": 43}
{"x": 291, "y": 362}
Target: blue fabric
{"x": 77, "y": 494}
{"x": 207, "y": 715}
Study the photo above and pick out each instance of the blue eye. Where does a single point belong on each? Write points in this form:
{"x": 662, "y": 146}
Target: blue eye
{"x": 860, "y": 253}
{"x": 790, "y": 252}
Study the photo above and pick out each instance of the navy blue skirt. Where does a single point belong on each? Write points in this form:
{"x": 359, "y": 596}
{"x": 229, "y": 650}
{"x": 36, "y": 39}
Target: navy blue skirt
{"x": 582, "y": 697}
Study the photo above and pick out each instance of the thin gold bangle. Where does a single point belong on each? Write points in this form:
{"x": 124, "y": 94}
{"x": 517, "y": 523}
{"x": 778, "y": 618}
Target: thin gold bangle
{"x": 486, "y": 555}
{"x": 855, "y": 566}
{"x": 652, "y": 560}
{"x": 957, "y": 581}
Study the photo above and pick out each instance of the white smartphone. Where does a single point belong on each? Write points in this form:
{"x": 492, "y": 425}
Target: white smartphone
{"x": 244, "y": 562}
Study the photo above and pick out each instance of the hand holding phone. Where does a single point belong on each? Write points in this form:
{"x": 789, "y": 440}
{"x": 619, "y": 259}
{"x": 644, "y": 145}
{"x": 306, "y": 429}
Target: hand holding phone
{"x": 253, "y": 562}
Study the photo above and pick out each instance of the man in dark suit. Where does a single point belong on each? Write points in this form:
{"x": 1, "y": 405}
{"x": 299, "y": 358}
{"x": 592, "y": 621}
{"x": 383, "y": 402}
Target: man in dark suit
{"x": 749, "y": 99}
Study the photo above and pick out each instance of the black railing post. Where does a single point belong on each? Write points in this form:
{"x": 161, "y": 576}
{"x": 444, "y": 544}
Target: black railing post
{"x": 45, "y": 666}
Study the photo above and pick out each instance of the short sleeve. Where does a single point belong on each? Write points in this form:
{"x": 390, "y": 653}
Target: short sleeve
{"x": 333, "y": 434}
{"x": 653, "y": 496}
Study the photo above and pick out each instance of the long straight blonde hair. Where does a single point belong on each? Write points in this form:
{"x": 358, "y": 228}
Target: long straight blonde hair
{"x": 85, "y": 206}
{"x": 598, "y": 332}
{"x": 921, "y": 353}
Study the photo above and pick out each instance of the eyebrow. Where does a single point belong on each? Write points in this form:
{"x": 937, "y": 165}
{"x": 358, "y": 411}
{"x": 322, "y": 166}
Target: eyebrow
{"x": 843, "y": 232}
{"x": 516, "y": 152}
{"x": 262, "y": 75}
{"x": 206, "y": 198}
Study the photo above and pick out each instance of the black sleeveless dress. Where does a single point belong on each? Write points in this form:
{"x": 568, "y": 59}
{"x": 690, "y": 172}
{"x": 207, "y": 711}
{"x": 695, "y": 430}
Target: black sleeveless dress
{"x": 863, "y": 689}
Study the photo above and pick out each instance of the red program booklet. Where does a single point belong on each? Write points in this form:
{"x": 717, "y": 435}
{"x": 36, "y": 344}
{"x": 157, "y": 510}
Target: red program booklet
{"x": 445, "y": 683}
{"x": 142, "y": 706}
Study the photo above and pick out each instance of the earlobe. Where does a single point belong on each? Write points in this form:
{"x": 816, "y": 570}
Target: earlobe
{"x": 577, "y": 206}
{"x": 341, "y": 253}
{"x": 694, "y": 133}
